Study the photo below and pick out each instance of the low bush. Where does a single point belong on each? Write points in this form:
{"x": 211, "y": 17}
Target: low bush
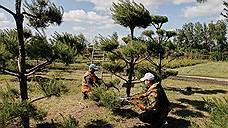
{"x": 69, "y": 122}
{"x": 105, "y": 97}
{"x": 218, "y": 109}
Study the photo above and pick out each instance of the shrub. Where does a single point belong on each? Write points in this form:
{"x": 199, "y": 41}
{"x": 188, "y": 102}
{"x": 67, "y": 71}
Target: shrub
{"x": 105, "y": 97}
{"x": 51, "y": 87}
{"x": 69, "y": 121}
{"x": 11, "y": 108}
{"x": 218, "y": 109}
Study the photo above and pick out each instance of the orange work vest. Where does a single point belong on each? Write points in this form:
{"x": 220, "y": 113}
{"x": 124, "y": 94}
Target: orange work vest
{"x": 85, "y": 86}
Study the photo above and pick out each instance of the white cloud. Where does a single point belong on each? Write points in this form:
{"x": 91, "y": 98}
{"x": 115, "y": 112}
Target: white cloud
{"x": 105, "y": 5}
{"x": 3, "y": 20}
{"x": 79, "y": 28}
{"x": 209, "y": 8}
{"x": 183, "y": 1}
{"x": 91, "y": 17}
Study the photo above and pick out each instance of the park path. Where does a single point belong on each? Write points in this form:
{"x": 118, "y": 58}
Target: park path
{"x": 213, "y": 80}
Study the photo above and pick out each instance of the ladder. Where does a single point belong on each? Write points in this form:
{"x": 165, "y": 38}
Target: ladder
{"x": 98, "y": 57}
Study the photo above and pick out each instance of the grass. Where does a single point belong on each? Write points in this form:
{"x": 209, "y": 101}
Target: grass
{"x": 188, "y": 107}
{"x": 210, "y": 69}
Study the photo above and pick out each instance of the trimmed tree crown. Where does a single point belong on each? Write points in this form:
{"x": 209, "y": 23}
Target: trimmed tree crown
{"x": 130, "y": 14}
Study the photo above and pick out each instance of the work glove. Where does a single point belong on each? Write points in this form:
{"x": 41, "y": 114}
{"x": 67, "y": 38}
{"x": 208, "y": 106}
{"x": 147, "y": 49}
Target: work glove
{"x": 141, "y": 106}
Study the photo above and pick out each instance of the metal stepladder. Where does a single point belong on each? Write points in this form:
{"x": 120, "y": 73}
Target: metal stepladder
{"x": 98, "y": 57}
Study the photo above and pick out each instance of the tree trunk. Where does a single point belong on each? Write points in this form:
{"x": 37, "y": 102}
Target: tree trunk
{"x": 132, "y": 32}
{"x": 129, "y": 83}
{"x": 160, "y": 67}
{"x": 19, "y": 18}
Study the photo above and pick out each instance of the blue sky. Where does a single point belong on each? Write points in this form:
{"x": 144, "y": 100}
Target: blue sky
{"x": 93, "y": 17}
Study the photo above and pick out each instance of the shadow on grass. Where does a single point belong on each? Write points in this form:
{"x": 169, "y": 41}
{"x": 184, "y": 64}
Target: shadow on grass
{"x": 125, "y": 113}
{"x": 177, "y": 105}
{"x": 172, "y": 123}
{"x": 200, "y": 105}
{"x": 188, "y": 113}
{"x": 191, "y": 90}
{"x": 49, "y": 125}
{"x": 98, "y": 124}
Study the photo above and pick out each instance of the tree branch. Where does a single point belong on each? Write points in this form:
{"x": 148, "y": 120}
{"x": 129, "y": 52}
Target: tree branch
{"x": 34, "y": 69}
{"x": 169, "y": 61}
{"x": 142, "y": 59}
{"x": 120, "y": 57}
{"x": 40, "y": 98}
{"x": 152, "y": 62}
{"x": 7, "y": 10}
{"x": 116, "y": 75}
{"x": 10, "y": 72}
{"x": 28, "y": 14}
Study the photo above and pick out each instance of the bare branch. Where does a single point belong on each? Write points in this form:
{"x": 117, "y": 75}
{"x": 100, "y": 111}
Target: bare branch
{"x": 40, "y": 98}
{"x": 136, "y": 82}
{"x": 28, "y": 14}
{"x": 169, "y": 62}
{"x": 152, "y": 62}
{"x": 7, "y": 10}
{"x": 116, "y": 75}
{"x": 8, "y": 71}
{"x": 142, "y": 59}
{"x": 120, "y": 57}
{"x": 34, "y": 69}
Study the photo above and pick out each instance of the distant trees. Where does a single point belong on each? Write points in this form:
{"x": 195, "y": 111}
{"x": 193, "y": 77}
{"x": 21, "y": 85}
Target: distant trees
{"x": 207, "y": 39}
{"x": 68, "y": 46}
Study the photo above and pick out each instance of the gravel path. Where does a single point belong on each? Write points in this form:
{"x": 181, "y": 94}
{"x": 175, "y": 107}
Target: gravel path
{"x": 222, "y": 81}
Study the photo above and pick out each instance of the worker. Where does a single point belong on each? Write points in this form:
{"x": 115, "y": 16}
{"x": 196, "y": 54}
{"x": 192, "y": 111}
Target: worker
{"x": 89, "y": 80}
{"x": 156, "y": 105}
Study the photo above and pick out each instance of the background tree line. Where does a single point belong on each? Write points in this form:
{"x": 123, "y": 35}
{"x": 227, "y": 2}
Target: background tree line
{"x": 207, "y": 39}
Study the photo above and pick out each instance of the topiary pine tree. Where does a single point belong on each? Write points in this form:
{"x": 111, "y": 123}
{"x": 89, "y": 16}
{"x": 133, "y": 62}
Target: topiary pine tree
{"x": 132, "y": 15}
{"x": 159, "y": 46}
{"x": 40, "y": 14}
{"x": 121, "y": 57}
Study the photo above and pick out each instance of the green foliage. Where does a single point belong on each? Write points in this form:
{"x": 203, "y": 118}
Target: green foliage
{"x": 39, "y": 48}
{"x": 67, "y": 46}
{"x": 133, "y": 49}
{"x": 9, "y": 44}
{"x": 225, "y": 13}
{"x": 159, "y": 19}
{"x": 50, "y": 87}
{"x": 218, "y": 56}
{"x": 116, "y": 66}
{"x": 148, "y": 33}
{"x": 203, "y": 38}
{"x": 109, "y": 44}
{"x": 130, "y": 14}
{"x": 218, "y": 109}
{"x": 76, "y": 42}
{"x": 105, "y": 97}
{"x": 42, "y": 14}
{"x": 141, "y": 71}
{"x": 11, "y": 108}
{"x": 69, "y": 122}
{"x": 63, "y": 52}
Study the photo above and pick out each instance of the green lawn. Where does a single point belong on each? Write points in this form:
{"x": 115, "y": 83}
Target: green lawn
{"x": 211, "y": 69}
